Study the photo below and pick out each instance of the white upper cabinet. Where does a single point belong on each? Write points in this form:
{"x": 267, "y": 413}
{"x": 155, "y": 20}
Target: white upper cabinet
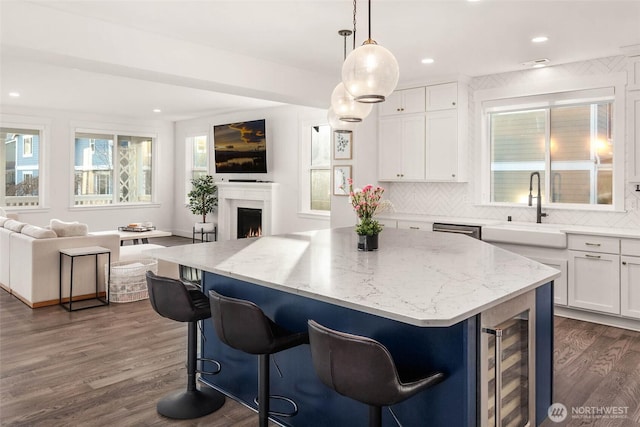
{"x": 406, "y": 101}
{"x": 442, "y": 97}
{"x": 401, "y": 151}
{"x": 422, "y": 134}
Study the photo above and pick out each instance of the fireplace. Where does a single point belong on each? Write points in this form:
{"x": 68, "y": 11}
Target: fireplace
{"x": 249, "y": 223}
{"x": 247, "y": 195}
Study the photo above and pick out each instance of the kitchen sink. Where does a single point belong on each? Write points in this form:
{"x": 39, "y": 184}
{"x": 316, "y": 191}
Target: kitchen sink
{"x": 524, "y": 233}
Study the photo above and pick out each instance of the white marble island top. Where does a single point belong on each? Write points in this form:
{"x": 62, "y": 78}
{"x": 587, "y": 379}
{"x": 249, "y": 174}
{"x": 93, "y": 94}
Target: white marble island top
{"x": 419, "y": 278}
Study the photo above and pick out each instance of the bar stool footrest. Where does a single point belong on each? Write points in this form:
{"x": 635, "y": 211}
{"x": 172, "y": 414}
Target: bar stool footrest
{"x": 282, "y": 398}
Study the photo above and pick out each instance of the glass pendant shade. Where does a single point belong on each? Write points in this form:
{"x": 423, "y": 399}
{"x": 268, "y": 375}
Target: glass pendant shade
{"x": 346, "y": 108}
{"x": 338, "y": 125}
{"x": 370, "y": 73}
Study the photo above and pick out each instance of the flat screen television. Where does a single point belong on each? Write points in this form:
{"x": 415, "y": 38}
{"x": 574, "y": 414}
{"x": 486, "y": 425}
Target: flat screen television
{"x": 240, "y": 148}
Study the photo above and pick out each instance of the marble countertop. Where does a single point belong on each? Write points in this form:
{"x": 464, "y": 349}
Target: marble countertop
{"x": 421, "y": 278}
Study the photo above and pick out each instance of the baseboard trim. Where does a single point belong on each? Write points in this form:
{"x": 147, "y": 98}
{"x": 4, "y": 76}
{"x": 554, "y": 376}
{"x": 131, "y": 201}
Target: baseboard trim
{"x": 603, "y": 319}
{"x": 56, "y": 301}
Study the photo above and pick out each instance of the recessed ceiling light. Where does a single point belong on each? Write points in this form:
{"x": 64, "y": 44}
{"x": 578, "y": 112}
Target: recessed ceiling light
{"x": 157, "y": 110}
{"x": 427, "y": 61}
{"x": 14, "y": 94}
{"x": 540, "y": 39}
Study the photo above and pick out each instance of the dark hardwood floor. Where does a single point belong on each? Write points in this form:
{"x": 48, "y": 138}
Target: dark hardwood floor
{"x": 108, "y": 366}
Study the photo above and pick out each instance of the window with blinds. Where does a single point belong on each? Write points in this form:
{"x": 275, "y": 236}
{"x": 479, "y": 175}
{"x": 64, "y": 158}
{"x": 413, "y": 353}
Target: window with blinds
{"x": 570, "y": 145}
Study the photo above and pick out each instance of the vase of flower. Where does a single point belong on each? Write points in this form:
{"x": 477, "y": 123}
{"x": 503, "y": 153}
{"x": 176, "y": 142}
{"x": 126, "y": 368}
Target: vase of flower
{"x": 366, "y": 202}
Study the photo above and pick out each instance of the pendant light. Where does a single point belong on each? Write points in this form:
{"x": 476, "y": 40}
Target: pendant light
{"x": 345, "y": 107}
{"x": 370, "y": 73}
{"x": 338, "y": 125}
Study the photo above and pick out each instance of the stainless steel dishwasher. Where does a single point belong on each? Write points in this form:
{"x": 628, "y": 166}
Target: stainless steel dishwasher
{"x": 474, "y": 231}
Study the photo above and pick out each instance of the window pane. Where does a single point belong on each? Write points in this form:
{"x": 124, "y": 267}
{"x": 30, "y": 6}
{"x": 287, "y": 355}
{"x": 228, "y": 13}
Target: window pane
{"x": 321, "y": 189}
{"x": 134, "y": 161}
{"x": 199, "y": 152}
{"x": 320, "y": 145}
{"x": 581, "y": 151}
{"x": 93, "y": 167}
{"x": 20, "y": 168}
{"x": 517, "y": 149}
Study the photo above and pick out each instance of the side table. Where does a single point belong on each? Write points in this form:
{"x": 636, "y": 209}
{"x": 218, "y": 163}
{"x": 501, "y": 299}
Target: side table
{"x": 204, "y": 235}
{"x": 72, "y": 254}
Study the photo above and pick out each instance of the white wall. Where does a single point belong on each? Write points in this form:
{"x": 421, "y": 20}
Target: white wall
{"x": 283, "y": 142}
{"x": 57, "y": 170}
{"x": 457, "y": 200}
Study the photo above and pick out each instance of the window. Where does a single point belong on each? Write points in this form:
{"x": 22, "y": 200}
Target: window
{"x": 27, "y": 146}
{"x": 112, "y": 168}
{"x": 197, "y": 156}
{"x": 569, "y": 143}
{"x": 320, "y": 168}
{"x": 20, "y": 167}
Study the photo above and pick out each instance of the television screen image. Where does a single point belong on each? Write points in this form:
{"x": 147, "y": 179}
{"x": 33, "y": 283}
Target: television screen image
{"x": 240, "y": 147}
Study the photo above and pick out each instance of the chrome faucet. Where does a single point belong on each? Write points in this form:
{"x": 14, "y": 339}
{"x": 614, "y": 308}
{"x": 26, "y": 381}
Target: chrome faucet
{"x": 539, "y": 213}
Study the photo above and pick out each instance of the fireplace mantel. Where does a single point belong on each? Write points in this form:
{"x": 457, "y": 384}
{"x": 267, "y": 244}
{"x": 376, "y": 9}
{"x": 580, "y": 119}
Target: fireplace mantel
{"x": 234, "y": 195}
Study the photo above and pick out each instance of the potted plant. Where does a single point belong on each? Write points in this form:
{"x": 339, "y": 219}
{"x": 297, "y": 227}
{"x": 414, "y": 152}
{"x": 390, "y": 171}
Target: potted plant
{"x": 366, "y": 202}
{"x": 203, "y": 199}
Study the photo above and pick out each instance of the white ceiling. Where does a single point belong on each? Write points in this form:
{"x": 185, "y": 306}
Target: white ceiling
{"x": 464, "y": 38}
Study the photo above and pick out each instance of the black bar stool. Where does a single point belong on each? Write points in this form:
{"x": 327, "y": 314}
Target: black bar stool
{"x": 362, "y": 369}
{"x": 172, "y": 299}
{"x": 242, "y": 325}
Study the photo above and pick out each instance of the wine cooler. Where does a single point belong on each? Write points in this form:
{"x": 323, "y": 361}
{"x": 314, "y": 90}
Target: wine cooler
{"x": 507, "y": 359}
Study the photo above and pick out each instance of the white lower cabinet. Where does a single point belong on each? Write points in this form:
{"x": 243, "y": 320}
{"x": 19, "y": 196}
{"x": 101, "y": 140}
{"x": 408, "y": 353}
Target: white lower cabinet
{"x": 559, "y": 284}
{"x": 630, "y": 286}
{"x": 593, "y": 281}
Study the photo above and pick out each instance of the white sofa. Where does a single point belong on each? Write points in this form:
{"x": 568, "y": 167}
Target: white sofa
{"x": 30, "y": 262}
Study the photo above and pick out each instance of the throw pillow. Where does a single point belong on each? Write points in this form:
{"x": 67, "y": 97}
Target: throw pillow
{"x": 68, "y": 229}
{"x": 3, "y": 219}
{"x": 38, "y": 232}
{"x": 3, "y": 212}
{"x": 14, "y": 225}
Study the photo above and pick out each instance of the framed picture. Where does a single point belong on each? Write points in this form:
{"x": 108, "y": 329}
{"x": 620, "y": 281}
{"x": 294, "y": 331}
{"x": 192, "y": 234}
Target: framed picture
{"x": 342, "y": 142}
{"x": 340, "y": 176}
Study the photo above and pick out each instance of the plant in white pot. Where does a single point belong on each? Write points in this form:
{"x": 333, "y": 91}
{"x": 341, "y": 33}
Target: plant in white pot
{"x": 203, "y": 199}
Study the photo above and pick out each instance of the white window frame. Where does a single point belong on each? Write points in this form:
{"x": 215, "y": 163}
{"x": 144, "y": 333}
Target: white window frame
{"x": 115, "y": 133}
{"x": 304, "y": 161}
{"x": 42, "y": 125}
{"x": 554, "y": 92}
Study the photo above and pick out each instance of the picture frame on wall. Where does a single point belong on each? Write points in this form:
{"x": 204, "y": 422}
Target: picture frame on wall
{"x": 341, "y": 175}
{"x": 342, "y": 145}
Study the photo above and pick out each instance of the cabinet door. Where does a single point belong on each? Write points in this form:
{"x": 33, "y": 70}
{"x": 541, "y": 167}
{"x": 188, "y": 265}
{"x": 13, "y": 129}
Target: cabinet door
{"x": 442, "y": 97}
{"x": 442, "y": 145}
{"x": 633, "y": 126}
{"x": 390, "y": 149}
{"x": 404, "y": 101}
{"x": 594, "y": 281}
{"x": 559, "y": 284}
{"x": 630, "y": 286}
{"x": 413, "y": 100}
{"x": 413, "y": 147}
{"x": 392, "y": 105}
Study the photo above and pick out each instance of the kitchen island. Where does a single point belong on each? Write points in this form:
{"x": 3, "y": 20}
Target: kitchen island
{"x": 426, "y": 296}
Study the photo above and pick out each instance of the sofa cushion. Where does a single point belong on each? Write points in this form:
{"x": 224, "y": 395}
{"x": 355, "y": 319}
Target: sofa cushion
{"x": 38, "y": 232}
{"x": 68, "y": 229}
{"x": 14, "y": 225}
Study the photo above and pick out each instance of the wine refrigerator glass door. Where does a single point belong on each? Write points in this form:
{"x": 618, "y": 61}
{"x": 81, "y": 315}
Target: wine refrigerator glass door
{"x": 507, "y": 360}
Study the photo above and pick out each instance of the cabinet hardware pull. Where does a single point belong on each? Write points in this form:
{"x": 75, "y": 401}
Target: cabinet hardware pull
{"x": 624, "y": 262}
{"x": 592, "y": 256}
{"x": 414, "y": 228}
{"x": 592, "y": 244}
